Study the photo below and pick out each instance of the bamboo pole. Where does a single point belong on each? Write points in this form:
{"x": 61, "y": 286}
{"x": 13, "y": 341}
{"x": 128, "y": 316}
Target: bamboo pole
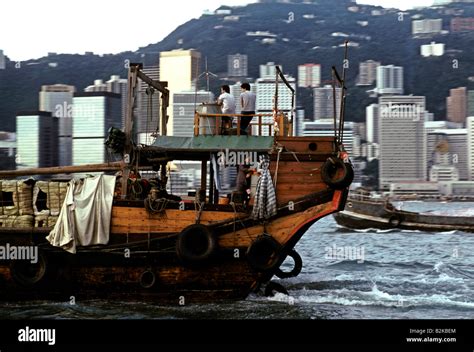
{"x": 115, "y": 166}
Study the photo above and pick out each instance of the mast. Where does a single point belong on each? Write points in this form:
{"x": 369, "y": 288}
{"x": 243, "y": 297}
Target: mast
{"x": 134, "y": 74}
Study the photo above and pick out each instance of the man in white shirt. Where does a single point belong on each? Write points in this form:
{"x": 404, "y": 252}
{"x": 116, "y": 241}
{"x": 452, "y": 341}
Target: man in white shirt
{"x": 227, "y": 102}
{"x": 248, "y": 100}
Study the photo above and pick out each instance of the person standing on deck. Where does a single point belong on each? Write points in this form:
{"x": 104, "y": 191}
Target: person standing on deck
{"x": 227, "y": 102}
{"x": 247, "y": 100}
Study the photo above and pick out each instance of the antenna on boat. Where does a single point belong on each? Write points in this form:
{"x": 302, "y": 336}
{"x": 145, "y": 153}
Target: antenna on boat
{"x": 208, "y": 74}
{"x": 339, "y": 132}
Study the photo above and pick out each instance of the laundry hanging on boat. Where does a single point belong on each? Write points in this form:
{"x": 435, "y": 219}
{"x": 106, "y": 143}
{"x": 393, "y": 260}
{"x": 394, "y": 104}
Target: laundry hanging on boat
{"x": 85, "y": 215}
{"x": 265, "y": 205}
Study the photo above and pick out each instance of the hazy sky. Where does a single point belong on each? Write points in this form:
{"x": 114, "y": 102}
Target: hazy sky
{"x": 32, "y": 28}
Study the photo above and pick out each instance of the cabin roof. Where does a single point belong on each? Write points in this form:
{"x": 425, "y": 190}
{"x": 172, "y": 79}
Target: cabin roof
{"x": 213, "y": 144}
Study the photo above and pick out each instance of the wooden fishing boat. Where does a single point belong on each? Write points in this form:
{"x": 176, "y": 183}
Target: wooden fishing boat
{"x": 363, "y": 212}
{"x": 188, "y": 249}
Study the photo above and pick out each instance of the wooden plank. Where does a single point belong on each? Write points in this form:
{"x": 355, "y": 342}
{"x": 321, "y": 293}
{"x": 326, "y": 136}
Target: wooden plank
{"x": 301, "y": 178}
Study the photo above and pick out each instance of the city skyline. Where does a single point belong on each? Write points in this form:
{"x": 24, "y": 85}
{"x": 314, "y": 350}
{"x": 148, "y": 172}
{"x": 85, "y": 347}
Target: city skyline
{"x": 24, "y": 45}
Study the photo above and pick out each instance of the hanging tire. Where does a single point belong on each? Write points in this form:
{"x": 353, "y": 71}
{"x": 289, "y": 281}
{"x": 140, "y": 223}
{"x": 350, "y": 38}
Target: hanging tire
{"x": 395, "y": 220}
{"x": 147, "y": 279}
{"x": 263, "y": 253}
{"x": 196, "y": 244}
{"x": 330, "y": 170}
{"x": 273, "y": 287}
{"x": 296, "y": 269}
{"x": 27, "y": 274}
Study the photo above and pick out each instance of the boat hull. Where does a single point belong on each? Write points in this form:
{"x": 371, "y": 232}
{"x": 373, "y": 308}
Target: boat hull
{"x": 147, "y": 267}
{"x": 362, "y": 215}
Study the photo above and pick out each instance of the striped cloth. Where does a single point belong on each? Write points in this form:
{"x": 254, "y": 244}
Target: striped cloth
{"x": 265, "y": 205}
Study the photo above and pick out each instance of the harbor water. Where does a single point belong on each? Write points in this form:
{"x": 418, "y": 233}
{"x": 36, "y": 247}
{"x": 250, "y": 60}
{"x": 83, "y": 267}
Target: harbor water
{"x": 369, "y": 274}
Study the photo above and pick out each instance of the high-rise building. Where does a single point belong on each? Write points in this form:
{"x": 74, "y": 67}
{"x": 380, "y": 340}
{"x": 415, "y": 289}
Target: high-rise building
{"x": 309, "y": 76}
{"x": 115, "y": 85}
{"x": 268, "y": 71}
{"x": 180, "y": 68}
{"x": 457, "y": 105}
{"x": 237, "y": 65}
{"x": 470, "y": 146}
{"x": 98, "y": 86}
{"x": 462, "y": 24}
{"x": 367, "y": 73}
{"x": 390, "y": 80}
{"x": 58, "y": 99}
{"x": 427, "y": 26}
{"x": 433, "y": 49}
{"x": 94, "y": 114}
{"x": 448, "y": 147}
{"x": 324, "y": 103}
{"x": 2, "y": 60}
{"x": 37, "y": 140}
{"x": 402, "y": 140}
{"x": 184, "y": 107}
{"x": 325, "y": 128}
{"x": 119, "y": 85}
{"x": 147, "y": 119}
{"x": 7, "y": 150}
{"x": 265, "y": 90}
{"x": 470, "y": 103}
{"x": 372, "y": 123}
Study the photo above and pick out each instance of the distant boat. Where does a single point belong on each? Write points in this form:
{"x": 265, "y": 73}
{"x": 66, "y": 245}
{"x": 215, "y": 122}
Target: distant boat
{"x": 364, "y": 212}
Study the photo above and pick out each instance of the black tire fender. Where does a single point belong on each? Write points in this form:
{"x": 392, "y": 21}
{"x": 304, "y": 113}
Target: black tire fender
{"x": 27, "y": 274}
{"x": 296, "y": 269}
{"x": 330, "y": 169}
{"x": 273, "y": 287}
{"x": 264, "y": 253}
{"x": 395, "y": 220}
{"x": 196, "y": 244}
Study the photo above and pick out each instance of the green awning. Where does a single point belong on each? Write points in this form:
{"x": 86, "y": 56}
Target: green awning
{"x": 213, "y": 143}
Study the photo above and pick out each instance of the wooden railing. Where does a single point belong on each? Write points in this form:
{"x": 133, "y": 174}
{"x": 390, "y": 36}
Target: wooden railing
{"x": 212, "y": 124}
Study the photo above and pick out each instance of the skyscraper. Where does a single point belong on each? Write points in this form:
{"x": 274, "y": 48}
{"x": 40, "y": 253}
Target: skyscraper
{"x": 427, "y": 26}
{"x": 390, "y": 80}
{"x": 98, "y": 86}
{"x": 402, "y": 139}
{"x": 372, "y": 123}
{"x": 119, "y": 85}
{"x": 470, "y": 146}
{"x": 449, "y": 147}
{"x": 265, "y": 88}
{"x": 457, "y": 105}
{"x": 470, "y": 103}
{"x": 115, "y": 85}
{"x": 268, "y": 70}
{"x": 180, "y": 68}
{"x": 184, "y": 107}
{"x": 237, "y": 65}
{"x": 2, "y": 60}
{"x": 324, "y": 103}
{"x": 148, "y": 112}
{"x": 367, "y": 72}
{"x": 37, "y": 140}
{"x": 309, "y": 76}
{"x": 58, "y": 99}
{"x": 93, "y": 115}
